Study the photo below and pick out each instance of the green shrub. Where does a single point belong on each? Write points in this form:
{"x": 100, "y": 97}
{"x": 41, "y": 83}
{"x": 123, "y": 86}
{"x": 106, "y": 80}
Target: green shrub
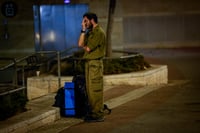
{"x": 125, "y": 64}
{"x": 119, "y": 65}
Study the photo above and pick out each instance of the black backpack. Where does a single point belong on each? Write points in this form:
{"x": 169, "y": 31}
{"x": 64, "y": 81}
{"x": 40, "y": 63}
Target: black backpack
{"x": 81, "y": 100}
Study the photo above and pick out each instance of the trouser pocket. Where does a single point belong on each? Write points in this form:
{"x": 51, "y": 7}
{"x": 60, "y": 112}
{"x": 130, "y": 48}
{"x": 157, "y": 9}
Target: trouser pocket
{"x": 96, "y": 75}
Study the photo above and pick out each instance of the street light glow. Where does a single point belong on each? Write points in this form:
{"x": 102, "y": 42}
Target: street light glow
{"x": 66, "y": 1}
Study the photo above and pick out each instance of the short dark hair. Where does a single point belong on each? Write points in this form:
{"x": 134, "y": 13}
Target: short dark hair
{"x": 91, "y": 16}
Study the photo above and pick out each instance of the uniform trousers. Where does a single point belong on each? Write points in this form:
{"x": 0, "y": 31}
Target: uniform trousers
{"x": 94, "y": 87}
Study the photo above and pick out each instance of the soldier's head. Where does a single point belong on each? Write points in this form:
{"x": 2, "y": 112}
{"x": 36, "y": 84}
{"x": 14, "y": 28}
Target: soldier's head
{"x": 90, "y": 19}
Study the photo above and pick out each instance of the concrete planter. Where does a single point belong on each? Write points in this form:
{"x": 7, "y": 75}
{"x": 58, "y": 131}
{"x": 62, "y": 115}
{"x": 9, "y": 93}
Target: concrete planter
{"x": 42, "y": 85}
{"x": 157, "y": 74}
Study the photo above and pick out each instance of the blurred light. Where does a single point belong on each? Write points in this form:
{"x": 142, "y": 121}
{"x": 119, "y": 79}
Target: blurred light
{"x": 37, "y": 35}
{"x": 52, "y": 36}
{"x": 49, "y": 37}
{"x": 66, "y": 1}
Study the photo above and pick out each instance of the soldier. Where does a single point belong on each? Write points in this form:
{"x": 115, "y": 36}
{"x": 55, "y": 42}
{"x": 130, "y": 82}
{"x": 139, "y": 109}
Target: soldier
{"x": 92, "y": 39}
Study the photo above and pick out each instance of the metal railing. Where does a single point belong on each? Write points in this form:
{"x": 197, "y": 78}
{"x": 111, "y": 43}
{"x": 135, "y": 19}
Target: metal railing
{"x": 16, "y": 66}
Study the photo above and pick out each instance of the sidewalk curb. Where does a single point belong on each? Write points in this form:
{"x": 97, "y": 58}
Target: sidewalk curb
{"x": 114, "y": 102}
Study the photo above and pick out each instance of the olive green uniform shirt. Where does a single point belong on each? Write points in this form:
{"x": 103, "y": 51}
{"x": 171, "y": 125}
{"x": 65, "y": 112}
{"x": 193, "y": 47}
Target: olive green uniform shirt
{"x": 95, "y": 40}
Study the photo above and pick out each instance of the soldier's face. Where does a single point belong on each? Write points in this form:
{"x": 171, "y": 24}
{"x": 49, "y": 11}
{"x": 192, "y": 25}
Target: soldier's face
{"x": 88, "y": 23}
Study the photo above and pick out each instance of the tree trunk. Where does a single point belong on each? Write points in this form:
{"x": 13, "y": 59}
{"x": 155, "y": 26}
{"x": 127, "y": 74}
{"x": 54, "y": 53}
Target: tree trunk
{"x": 112, "y": 5}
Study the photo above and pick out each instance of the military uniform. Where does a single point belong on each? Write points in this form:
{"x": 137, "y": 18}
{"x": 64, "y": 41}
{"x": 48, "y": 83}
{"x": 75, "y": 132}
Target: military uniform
{"x": 95, "y": 40}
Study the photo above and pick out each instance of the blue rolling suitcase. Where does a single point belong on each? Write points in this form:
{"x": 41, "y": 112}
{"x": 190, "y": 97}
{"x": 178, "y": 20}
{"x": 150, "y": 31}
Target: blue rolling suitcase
{"x": 69, "y": 99}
